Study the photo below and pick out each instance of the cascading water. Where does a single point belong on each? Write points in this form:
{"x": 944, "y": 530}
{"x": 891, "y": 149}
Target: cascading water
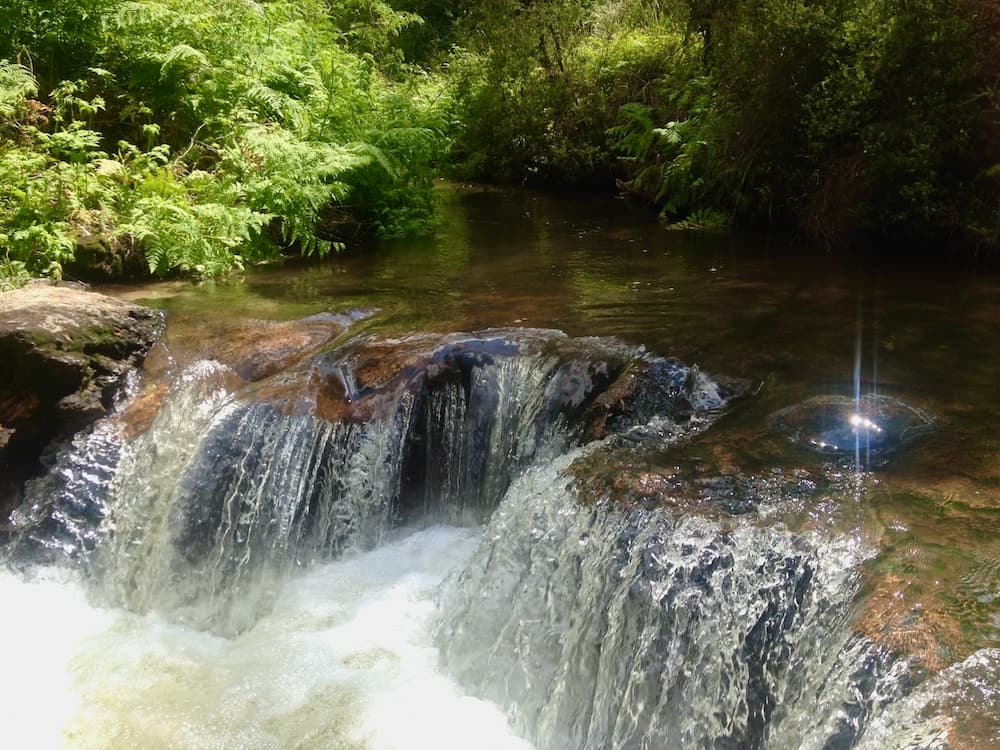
{"x": 207, "y": 525}
{"x": 208, "y": 510}
{"x": 264, "y": 585}
{"x": 599, "y": 628}
{"x": 343, "y": 659}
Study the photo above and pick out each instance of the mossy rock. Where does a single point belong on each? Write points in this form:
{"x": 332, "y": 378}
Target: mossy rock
{"x": 63, "y": 353}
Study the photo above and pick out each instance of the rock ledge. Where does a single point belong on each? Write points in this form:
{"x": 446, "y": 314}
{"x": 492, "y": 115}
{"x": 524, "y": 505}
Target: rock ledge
{"x": 63, "y": 353}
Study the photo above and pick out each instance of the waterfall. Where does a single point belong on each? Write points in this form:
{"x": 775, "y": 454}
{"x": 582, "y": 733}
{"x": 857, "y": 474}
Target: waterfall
{"x": 206, "y": 513}
{"x": 595, "y": 627}
{"x": 65, "y": 508}
{"x": 220, "y": 498}
{"x": 592, "y": 623}
{"x": 966, "y": 693}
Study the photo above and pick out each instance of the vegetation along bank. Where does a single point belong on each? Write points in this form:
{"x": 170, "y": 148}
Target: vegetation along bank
{"x": 175, "y": 137}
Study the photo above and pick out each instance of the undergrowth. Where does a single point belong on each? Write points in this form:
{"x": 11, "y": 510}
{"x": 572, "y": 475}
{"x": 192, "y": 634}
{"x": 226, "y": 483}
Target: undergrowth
{"x": 183, "y": 137}
{"x": 199, "y": 138}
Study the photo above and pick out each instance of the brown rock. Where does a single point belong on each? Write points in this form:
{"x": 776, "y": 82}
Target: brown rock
{"x": 359, "y": 382}
{"x": 367, "y": 378}
{"x": 63, "y": 352}
{"x": 616, "y": 398}
{"x": 271, "y": 356}
{"x": 257, "y": 349}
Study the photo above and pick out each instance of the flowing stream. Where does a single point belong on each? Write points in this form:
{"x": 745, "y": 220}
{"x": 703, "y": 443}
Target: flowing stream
{"x": 518, "y": 538}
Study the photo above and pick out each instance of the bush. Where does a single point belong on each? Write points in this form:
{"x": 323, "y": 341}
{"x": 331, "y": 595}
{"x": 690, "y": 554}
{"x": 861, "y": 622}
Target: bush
{"x": 838, "y": 118}
{"x": 237, "y": 126}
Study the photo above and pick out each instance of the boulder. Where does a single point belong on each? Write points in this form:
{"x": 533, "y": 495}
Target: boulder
{"x": 366, "y": 378}
{"x": 257, "y": 349}
{"x": 63, "y": 354}
{"x": 871, "y": 426}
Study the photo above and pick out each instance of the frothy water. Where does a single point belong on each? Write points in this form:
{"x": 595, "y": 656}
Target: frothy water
{"x": 345, "y": 659}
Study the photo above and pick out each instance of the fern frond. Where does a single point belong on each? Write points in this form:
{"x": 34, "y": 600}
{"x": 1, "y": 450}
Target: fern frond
{"x": 180, "y": 60}
{"x": 377, "y": 155}
{"x": 16, "y": 85}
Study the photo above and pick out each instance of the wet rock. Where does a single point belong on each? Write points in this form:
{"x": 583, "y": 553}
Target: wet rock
{"x": 257, "y": 349}
{"x": 682, "y": 480}
{"x": 367, "y": 378}
{"x": 477, "y": 407}
{"x": 645, "y": 388}
{"x": 580, "y": 615}
{"x": 63, "y": 353}
{"x": 873, "y": 426}
{"x": 452, "y": 418}
{"x": 604, "y": 385}
{"x": 658, "y": 387}
{"x": 253, "y": 350}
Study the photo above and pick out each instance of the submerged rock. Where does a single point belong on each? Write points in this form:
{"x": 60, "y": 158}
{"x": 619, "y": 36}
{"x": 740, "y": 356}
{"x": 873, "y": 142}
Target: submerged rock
{"x": 602, "y": 384}
{"x": 650, "y": 387}
{"x": 601, "y": 624}
{"x": 474, "y": 409}
{"x": 367, "y": 378}
{"x": 63, "y": 353}
{"x": 257, "y": 349}
{"x": 872, "y": 426}
{"x": 252, "y": 350}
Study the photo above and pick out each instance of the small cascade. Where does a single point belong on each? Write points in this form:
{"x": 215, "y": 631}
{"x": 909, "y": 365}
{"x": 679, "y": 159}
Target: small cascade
{"x": 596, "y": 619}
{"x": 234, "y": 485}
{"x": 221, "y": 498}
{"x": 596, "y": 627}
{"x": 65, "y": 508}
{"x": 468, "y": 440}
{"x": 958, "y": 708}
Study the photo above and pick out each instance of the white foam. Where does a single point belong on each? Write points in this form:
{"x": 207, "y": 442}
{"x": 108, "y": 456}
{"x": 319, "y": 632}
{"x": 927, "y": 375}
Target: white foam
{"x": 43, "y": 624}
{"x": 345, "y": 661}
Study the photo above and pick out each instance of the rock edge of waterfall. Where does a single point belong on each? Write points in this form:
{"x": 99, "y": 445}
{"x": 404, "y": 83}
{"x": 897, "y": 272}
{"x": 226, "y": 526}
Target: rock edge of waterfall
{"x": 63, "y": 353}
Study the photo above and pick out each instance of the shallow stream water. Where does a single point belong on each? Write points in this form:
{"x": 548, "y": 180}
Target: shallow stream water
{"x": 885, "y": 584}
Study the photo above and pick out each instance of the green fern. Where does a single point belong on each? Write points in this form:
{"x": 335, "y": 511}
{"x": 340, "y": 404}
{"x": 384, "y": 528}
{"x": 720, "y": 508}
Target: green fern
{"x": 236, "y": 125}
{"x": 704, "y": 219}
{"x": 668, "y": 163}
{"x": 16, "y": 86}
{"x": 181, "y": 61}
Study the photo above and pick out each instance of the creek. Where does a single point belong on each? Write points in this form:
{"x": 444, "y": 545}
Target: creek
{"x": 557, "y": 478}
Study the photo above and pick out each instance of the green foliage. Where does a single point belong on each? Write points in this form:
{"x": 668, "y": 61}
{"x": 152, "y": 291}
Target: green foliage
{"x": 704, "y": 219}
{"x": 537, "y": 86}
{"x": 54, "y": 39}
{"x": 189, "y": 137}
{"x": 839, "y": 118}
{"x": 13, "y": 274}
{"x": 372, "y": 27}
{"x": 16, "y": 86}
{"x": 428, "y": 41}
{"x": 240, "y": 126}
{"x": 669, "y": 163}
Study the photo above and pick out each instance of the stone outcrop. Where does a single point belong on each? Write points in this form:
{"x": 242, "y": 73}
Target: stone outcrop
{"x": 604, "y": 385}
{"x": 63, "y": 353}
{"x": 254, "y": 350}
{"x": 258, "y": 349}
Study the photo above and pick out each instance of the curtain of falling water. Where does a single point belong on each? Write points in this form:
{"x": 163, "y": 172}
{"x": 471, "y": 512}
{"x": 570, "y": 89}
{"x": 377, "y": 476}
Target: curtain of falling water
{"x": 596, "y": 628}
{"x": 590, "y": 626}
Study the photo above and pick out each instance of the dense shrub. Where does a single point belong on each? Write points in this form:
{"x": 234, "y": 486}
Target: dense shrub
{"x": 202, "y": 136}
{"x": 180, "y": 136}
{"x": 838, "y": 118}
